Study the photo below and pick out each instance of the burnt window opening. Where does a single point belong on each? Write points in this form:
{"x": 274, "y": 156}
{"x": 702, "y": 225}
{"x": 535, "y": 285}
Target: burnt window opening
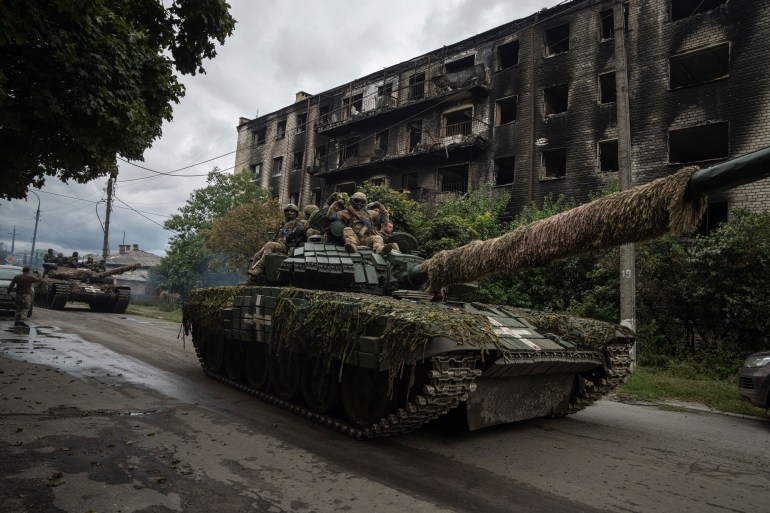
{"x": 277, "y": 166}
{"x": 507, "y": 55}
{"x": 698, "y": 143}
{"x": 460, "y": 64}
{"x": 414, "y": 131}
{"x": 323, "y": 114}
{"x": 348, "y": 149}
{"x": 280, "y": 131}
{"x": 686, "y": 8}
{"x": 352, "y": 105}
{"x": 417, "y": 86}
{"x": 555, "y": 99}
{"x": 409, "y": 181}
{"x": 716, "y": 213}
{"x": 382, "y": 141}
{"x": 294, "y": 197}
{"x": 320, "y": 155}
{"x": 301, "y": 122}
{"x": 259, "y": 136}
{"x": 557, "y": 40}
{"x": 608, "y": 156}
{"x": 700, "y": 66}
{"x": 316, "y": 197}
{"x": 380, "y": 180}
{"x": 555, "y": 163}
{"x": 385, "y": 96}
{"x": 607, "y": 23}
{"x": 296, "y": 163}
{"x": 505, "y": 110}
{"x": 505, "y": 170}
{"x": 256, "y": 171}
{"x": 607, "y": 87}
{"x": 458, "y": 122}
{"x": 348, "y": 187}
{"x": 453, "y": 178}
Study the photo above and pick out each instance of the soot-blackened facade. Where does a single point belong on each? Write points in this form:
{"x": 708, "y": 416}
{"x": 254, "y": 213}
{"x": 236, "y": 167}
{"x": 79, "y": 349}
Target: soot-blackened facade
{"x": 530, "y": 107}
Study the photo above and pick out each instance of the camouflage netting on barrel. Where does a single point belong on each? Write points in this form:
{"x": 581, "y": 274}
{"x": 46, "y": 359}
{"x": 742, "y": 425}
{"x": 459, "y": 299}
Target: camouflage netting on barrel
{"x": 586, "y": 334}
{"x": 639, "y": 214}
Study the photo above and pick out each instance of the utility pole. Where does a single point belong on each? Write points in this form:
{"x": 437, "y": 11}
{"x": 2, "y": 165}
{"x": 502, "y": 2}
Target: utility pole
{"x": 627, "y": 251}
{"x": 13, "y": 240}
{"x": 106, "y": 244}
{"x": 34, "y": 234}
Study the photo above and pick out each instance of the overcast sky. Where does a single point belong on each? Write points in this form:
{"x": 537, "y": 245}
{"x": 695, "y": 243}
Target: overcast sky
{"x": 277, "y": 49}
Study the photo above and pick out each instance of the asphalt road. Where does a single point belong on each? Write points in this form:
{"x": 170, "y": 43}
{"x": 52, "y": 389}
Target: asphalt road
{"x": 109, "y": 413}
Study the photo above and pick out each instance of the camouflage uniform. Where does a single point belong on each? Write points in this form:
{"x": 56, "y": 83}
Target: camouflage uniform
{"x": 23, "y": 284}
{"x": 49, "y": 257}
{"x": 91, "y": 265}
{"x": 73, "y": 260}
{"x": 309, "y": 210}
{"x": 360, "y": 229}
{"x": 291, "y": 232}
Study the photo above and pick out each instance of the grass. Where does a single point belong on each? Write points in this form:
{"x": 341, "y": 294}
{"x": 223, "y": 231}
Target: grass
{"x": 156, "y": 312}
{"x": 660, "y": 385}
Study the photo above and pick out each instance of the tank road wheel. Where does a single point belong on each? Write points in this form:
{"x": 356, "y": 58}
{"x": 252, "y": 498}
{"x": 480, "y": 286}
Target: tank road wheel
{"x": 365, "y": 395}
{"x": 215, "y": 352}
{"x": 257, "y": 365}
{"x": 234, "y": 364}
{"x": 320, "y": 385}
{"x": 286, "y": 375}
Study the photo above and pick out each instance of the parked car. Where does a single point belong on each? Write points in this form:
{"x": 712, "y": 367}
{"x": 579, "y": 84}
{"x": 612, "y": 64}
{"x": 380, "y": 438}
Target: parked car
{"x": 754, "y": 380}
{"x": 7, "y": 272}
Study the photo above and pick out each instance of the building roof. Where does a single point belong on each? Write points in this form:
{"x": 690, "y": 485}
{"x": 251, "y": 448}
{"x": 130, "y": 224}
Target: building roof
{"x": 127, "y": 256}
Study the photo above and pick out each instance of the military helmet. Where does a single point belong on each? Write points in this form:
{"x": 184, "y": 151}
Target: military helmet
{"x": 74, "y": 253}
{"x": 309, "y": 210}
{"x": 50, "y": 250}
{"x": 358, "y": 199}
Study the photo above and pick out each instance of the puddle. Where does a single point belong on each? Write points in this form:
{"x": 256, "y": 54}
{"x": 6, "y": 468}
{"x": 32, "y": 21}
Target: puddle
{"x": 85, "y": 360}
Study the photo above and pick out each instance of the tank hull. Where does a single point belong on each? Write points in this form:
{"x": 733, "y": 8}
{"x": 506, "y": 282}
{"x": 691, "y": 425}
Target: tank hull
{"x": 372, "y": 366}
{"x": 55, "y": 294}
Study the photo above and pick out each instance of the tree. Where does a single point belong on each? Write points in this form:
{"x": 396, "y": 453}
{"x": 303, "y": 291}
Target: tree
{"x": 188, "y": 261}
{"x": 82, "y": 81}
{"x": 238, "y": 234}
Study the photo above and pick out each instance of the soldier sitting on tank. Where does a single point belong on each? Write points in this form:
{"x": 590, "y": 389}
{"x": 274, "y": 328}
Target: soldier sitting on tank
{"x": 101, "y": 266}
{"x": 50, "y": 257}
{"x": 291, "y": 233}
{"x": 61, "y": 259}
{"x": 91, "y": 265}
{"x": 359, "y": 229}
{"x": 73, "y": 260}
{"x": 309, "y": 210}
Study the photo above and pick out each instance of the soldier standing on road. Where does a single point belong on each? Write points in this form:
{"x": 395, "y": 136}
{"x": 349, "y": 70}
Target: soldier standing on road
{"x": 23, "y": 283}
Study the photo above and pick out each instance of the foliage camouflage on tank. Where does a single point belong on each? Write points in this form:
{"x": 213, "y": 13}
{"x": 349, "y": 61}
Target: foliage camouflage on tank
{"x": 62, "y": 284}
{"x": 354, "y": 341}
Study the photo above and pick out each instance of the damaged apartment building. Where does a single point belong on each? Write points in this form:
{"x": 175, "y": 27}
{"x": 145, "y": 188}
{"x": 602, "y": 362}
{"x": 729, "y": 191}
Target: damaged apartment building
{"x": 530, "y": 108}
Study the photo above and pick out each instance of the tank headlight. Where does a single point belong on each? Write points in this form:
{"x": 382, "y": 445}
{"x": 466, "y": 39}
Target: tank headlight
{"x": 757, "y": 361}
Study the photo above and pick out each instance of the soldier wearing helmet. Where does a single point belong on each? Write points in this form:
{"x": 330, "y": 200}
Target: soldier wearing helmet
{"x": 291, "y": 233}
{"x": 49, "y": 257}
{"x": 73, "y": 260}
{"x": 359, "y": 229}
{"x": 309, "y": 211}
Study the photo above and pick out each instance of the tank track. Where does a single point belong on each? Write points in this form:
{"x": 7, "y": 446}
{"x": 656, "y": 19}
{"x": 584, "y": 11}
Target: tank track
{"x": 60, "y": 297}
{"x": 619, "y": 364}
{"x": 121, "y": 303}
{"x": 451, "y": 380}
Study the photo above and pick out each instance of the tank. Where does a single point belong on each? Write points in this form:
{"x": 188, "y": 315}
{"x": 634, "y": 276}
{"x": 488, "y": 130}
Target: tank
{"x": 373, "y": 345}
{"x": 62, "y": 284}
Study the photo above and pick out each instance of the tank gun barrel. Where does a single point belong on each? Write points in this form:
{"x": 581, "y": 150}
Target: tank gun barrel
{"x": 673, "y": 204}
{"x": 118, "y": 270}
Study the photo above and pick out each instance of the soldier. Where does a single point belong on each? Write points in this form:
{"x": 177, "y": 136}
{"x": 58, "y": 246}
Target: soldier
{"x": 91, "y": 265}
{"x": 73, "y": 260}
{"x": 289, "y": 234}
{"x": 101, "y": 267}
{"x": 309, "y": 210}
{"x": 360, "y": 229}
{"x": 49, "y": 257}
{"x": 381, "y": 218}
{"x": 23, "y": 283}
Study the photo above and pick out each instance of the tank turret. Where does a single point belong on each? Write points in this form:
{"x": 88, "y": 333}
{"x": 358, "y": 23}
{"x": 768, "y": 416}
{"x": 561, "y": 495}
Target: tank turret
{"x": 357, "y": 341}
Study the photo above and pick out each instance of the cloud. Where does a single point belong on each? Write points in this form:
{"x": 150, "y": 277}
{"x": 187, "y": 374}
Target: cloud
{"x": 278, "y": 48}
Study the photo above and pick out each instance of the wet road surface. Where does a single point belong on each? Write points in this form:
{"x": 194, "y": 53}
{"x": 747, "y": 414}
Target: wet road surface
{"x": 104, "y": 412}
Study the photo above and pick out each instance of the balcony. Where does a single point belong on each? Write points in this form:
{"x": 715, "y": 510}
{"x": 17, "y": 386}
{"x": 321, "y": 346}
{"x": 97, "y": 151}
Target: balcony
{"x": 453, "y": 140}
{"x": 389, "y": 106}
